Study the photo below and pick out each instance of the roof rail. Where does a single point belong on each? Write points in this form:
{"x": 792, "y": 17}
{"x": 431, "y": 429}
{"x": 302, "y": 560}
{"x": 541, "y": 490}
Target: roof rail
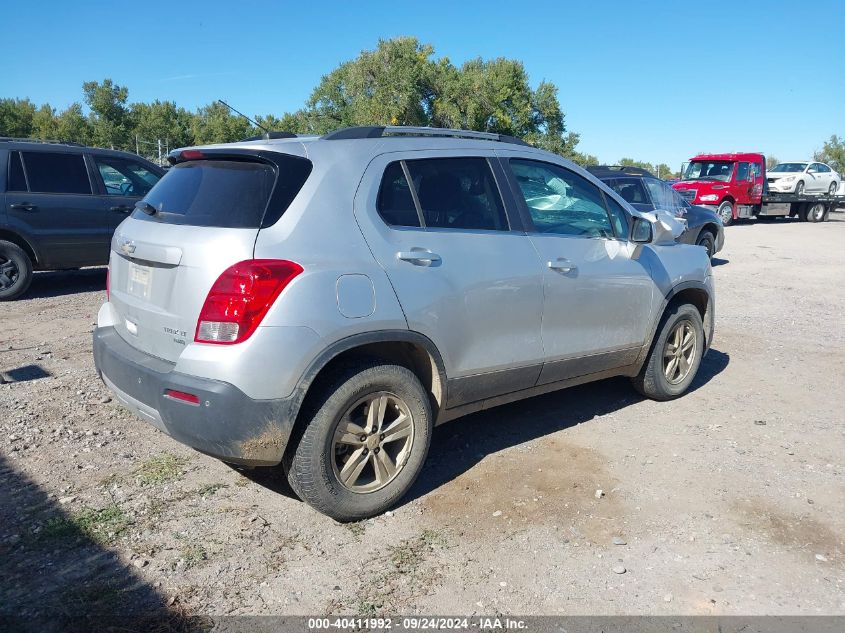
{"x": 622, "y": 169}
{"x": 270, "y": 135}
{"x": 385, "y": 131}
{"x": 12, "y": 139}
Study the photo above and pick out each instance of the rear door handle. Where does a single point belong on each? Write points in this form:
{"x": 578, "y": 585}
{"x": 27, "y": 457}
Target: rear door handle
{"x": 420, "y": 257}
{"x": 24, "y": 206}
{"x": 562, "y": 265}
{"x": 122, "y": 208}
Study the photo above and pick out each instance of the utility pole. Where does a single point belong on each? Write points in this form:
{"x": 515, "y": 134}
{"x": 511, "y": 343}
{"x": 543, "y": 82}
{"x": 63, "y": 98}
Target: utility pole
{"x": 159, "y": 151}
{"x": 137, "y": 150}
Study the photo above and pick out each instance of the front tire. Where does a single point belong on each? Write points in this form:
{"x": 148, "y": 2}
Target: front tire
{"x": 799, "y": 188}
{"x": 708, "y": 241}
{"x": 15, "y": 271}
{"x": 366, "y": 439}
{"x": 831, "y": 191}
{"x": 726, "y": 212}
{"x": 675, "y": 355}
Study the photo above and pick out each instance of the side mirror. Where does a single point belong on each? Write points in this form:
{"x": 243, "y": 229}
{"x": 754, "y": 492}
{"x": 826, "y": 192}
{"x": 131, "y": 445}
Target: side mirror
{"x": 642, "y": 233}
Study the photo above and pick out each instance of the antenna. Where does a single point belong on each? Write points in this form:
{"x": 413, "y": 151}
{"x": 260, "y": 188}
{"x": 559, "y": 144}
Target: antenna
{"x": 260, "y": 127}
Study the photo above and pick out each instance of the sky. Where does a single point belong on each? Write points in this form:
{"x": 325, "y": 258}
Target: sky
{"x": 651, "y": 80}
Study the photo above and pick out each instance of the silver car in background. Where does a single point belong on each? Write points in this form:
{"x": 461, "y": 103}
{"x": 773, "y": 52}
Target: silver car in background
{"x": 320, "y": 303}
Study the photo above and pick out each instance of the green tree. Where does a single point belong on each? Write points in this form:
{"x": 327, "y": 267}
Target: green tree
{"x": 833, "y": 153}
{"x": 44, "y": 123}
{"x": 73, "y": 125}
{"x": 159, "y": 120}
{"x": 402, "y": 83}
{"x": 16, "y": 117}
{"x": 664, "y": 171}
{"x": 109, "y": 114}
{"x": 214, "y": 123}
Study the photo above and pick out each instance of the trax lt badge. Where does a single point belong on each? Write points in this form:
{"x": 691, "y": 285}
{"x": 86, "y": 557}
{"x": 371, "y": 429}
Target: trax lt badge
{"x": 127, "y": 246}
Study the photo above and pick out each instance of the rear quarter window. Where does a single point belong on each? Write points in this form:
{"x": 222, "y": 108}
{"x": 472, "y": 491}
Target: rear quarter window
{"x": 226, "y": 193}
{"x": 49, "y": 172}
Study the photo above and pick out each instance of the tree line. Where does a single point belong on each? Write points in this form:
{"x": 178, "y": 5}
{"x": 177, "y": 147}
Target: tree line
{"x": 401, "y": 82}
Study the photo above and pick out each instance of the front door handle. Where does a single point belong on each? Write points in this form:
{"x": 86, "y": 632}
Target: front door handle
{"x": 419, "y": 257}
{"x": 562, "y": 265}
{"x": 121, "y": 208}
{"x": 23, "y": 206}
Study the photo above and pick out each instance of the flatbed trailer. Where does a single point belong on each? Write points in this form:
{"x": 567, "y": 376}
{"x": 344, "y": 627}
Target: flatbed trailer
{"x": 807, "y": 208}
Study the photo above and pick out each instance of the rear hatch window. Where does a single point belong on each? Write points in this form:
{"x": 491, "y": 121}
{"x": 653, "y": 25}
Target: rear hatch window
{"x": 226, "y": 193}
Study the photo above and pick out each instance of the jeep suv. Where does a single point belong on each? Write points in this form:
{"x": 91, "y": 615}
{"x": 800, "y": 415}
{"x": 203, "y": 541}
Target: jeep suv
{"x": 323, "y": 302}
{"x": 60, "y": 204}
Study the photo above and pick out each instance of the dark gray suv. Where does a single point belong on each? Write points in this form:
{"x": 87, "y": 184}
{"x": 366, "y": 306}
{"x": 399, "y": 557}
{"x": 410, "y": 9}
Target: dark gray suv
{"x": 60, "y": 204}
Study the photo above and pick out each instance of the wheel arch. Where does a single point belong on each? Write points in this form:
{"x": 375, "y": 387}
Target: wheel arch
{"x": 695, "y": 293}
{"x": 22, "y": 242}
{"x": 407, "y": 348}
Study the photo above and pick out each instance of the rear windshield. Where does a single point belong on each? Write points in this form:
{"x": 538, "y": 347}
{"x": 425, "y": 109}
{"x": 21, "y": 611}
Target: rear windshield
{"x": 232, "y": 194}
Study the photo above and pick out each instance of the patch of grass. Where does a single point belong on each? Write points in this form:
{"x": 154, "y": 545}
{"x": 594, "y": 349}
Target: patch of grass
{"x": 367, "y": 609}
{"x": 160, "y": 469}
{"x": 193, "y": 555}
{"x": 209, "y": 489}
{"x": 102, "y": 526}
{"x": 433, "y": 538}
{"x": 357, "y": 529}
{"x": 408, "y": 555}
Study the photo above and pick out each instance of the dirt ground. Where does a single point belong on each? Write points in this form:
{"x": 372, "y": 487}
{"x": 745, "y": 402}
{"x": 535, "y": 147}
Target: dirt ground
{"x": 727, "y": 501}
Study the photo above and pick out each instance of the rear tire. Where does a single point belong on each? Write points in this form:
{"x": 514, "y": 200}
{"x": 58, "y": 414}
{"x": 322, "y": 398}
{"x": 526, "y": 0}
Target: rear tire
{"x": 15, "y": 271}
{"x": 348, "y": 464}
{"x": 675, "y": 354}
{"x": 726, "y": 212}
{"x": 816, "y": 212}
{"x": 708, "y": 241}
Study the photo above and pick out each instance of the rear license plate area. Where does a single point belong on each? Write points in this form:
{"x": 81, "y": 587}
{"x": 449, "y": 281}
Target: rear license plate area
{"x": 139, "y": 280}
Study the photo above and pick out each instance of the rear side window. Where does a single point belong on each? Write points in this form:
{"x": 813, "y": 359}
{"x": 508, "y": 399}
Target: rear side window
{"x": 395, "y": 201}
{"x": 225, "y": 193}
{"x": 631, "y": 190}
{"x": 56, "y": 173}
{"x": 17, "y": 181}
{"x": 453, "y": 193}
{"x": 124, "y": 177}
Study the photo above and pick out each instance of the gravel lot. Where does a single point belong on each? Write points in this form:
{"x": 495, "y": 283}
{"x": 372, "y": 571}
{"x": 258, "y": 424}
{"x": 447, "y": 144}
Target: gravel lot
{"x": 727, "y": 501}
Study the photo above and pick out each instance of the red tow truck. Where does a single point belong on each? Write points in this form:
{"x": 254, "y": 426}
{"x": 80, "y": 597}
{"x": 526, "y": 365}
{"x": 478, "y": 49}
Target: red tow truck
{"x": 735, "y": 187}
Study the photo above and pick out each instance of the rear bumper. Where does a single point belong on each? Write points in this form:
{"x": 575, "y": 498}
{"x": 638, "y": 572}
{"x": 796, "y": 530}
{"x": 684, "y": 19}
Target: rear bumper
{"x": 227, "y": 424}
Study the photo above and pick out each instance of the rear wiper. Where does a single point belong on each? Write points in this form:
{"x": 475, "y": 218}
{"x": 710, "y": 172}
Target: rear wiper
{"x": 146, "y": 207}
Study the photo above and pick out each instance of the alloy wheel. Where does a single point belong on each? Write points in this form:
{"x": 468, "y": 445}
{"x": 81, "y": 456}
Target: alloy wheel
{"x": 679, "y": 352}
{"x": 372, "y": 442}
{"x": 9, "y": 273}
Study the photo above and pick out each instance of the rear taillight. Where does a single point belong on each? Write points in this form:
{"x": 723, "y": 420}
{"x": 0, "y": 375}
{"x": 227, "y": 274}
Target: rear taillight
{"x": 239, "y": 299}
{"x": 182, "y": 396}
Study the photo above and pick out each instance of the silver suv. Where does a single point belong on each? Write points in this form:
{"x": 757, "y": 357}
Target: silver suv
{"x": 323, "y": 302}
